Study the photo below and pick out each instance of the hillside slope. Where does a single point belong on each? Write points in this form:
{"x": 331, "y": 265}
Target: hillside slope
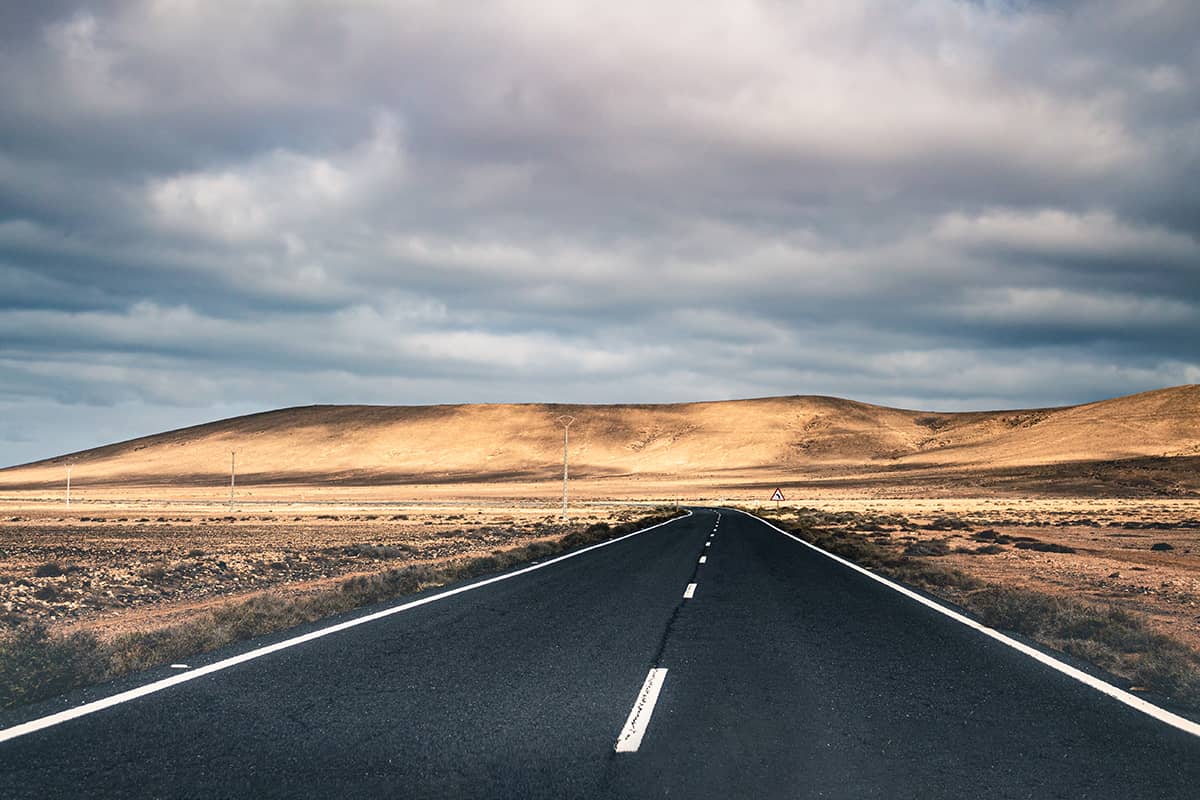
{"x": 485, "y": 443}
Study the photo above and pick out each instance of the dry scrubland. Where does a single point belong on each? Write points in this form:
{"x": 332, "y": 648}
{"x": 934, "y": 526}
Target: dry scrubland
{"x": 1113, "y": 582}
{"x": 109, "y": 588}
{"x": 94, "y": 567}
{"x": 95, "y": 593}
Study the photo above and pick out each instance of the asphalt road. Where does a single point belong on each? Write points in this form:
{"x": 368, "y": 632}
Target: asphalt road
{"x": 787, "y": 675}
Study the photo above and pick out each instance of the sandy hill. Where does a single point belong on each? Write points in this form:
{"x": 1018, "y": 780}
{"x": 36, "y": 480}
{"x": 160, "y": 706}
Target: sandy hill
{"x": 718, "y": 443}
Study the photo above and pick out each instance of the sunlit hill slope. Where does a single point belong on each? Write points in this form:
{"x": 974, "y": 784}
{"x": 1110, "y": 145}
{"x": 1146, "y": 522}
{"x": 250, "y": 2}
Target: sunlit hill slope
{"x": 819, "y": 442}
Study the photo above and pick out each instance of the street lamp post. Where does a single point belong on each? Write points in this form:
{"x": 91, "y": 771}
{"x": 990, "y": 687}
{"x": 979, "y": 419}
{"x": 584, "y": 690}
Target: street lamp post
{"x": 565, "y": 420}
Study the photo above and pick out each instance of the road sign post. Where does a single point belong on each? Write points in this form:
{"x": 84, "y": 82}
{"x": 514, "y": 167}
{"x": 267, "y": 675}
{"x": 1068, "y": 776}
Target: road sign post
{"x": 565, "y": 420}
{"x": 777, "y": 496}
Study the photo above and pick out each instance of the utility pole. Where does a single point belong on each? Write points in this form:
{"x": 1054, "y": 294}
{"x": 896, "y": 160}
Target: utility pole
{"x": 232, "y": 475}
{"x": 565, "y": 420}
{"x": 68, "y": 484}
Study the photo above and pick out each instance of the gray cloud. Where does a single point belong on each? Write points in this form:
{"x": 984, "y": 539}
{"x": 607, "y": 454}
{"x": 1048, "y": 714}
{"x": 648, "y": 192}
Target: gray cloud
{"x": 947, "y": 204}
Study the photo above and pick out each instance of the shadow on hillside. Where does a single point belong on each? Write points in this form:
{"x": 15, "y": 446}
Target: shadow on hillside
{"x": 1177, "y": 476}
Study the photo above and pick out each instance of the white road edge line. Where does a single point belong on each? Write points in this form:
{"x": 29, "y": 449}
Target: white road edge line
{"x": 639, "y": 716}
{"x": 689, "y": 592}
{"x": 157, "y": 686}
{"x": 1120, "y": 695}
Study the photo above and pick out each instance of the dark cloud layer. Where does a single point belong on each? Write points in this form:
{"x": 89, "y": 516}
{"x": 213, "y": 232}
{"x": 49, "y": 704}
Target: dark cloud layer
{"x": 208, "y": 209}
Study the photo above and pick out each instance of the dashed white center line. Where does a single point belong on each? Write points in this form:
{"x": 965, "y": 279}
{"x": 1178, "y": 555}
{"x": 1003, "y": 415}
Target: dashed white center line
{"x": 689, "y": 592}
{"x": 639, "y": 717}
{"x": 703, "y": 559}
{"x": 706, "y": 544}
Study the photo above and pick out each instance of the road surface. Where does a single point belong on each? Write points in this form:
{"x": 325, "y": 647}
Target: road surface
{"x": 781, "y": 674}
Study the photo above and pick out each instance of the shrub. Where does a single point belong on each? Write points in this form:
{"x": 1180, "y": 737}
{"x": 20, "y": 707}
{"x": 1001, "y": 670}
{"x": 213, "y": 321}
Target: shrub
{"x": 48, "y": 593}
{"x": 985, "y": 549}
{"x": 1044, "y": 547}
{"x": 932, "y": 576}
{"x": 378, "y": 550}
{"x": 154, "y": 573}
{"x": 947, "y": 524}
{"x": 35, "y": 664}
{"x": 931, "y": 547}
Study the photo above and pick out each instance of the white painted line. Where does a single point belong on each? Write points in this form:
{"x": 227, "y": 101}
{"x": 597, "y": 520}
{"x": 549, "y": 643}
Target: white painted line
{"x": 180, "y": 666}
{"x": 689, "y": 592}
{"x": 703, "y": 559}
{"x": 157, "y": 686}
{"x": 706, "y": 544}
{"x": 639, "y": 716}
{"x": 1120, "y": 695}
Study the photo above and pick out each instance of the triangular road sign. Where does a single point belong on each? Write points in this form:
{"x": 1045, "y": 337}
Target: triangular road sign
{"x": 777, "y": 496}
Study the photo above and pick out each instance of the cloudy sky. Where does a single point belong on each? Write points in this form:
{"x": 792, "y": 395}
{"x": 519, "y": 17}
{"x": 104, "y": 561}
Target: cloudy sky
{"x": 213, "y": 208}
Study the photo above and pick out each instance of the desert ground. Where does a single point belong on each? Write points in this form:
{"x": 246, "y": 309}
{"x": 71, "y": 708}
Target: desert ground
{"x": 115, "y": 567}
{"x": 1142, "y": 555}
{"x": 1099, "y": 502}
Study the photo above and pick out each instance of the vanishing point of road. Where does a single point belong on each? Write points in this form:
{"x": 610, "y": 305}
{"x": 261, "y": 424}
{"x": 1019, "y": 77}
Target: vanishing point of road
{"x": 709, "y": 657}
